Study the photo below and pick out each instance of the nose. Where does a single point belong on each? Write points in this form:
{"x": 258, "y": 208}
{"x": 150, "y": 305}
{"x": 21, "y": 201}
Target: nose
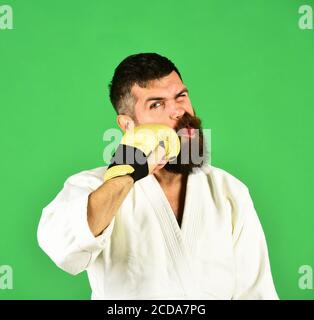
{"x": 177, "y": 113}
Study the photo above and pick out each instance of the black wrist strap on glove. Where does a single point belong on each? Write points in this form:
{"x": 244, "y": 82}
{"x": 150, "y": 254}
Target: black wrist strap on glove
{"x": 136, "y": 158}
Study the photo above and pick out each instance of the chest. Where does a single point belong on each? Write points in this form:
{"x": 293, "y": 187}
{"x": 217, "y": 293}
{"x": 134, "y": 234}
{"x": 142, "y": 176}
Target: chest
{"x": 202, "y": 244}
{"x": 176, "y": 199}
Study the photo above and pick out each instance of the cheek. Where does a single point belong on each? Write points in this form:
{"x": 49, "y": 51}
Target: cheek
{"x": 150, "y": 117}
{"x": 158, "y": 118}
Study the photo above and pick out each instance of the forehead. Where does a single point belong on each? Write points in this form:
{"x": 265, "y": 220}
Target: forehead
{"x": 166, "y": 86}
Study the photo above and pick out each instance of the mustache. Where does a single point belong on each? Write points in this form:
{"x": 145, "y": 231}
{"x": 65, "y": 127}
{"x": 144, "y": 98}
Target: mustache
{"x": 193, "y": 153}
{"x": 188, "y": 121}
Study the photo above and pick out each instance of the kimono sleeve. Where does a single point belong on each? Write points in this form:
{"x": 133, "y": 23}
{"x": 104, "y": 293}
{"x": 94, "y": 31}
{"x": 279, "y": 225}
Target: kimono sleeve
{"x": 63, "y": 231}
{"x": 253, "y": 272}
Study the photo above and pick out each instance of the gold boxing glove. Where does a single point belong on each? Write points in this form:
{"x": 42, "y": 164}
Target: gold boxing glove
{"x": 136, "y": 145}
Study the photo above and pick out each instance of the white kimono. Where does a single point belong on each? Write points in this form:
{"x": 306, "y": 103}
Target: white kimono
{"x": 219, "y": 252}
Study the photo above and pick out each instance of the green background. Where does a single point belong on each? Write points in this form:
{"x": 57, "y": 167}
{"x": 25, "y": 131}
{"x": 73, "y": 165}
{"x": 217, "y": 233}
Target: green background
{"x": 249, "y": 69}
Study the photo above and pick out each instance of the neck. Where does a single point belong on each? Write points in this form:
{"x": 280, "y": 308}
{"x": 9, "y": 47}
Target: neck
{"x": 168, "y": 179}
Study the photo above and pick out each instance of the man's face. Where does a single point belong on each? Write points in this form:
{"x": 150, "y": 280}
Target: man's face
{"x": 163, "y": 101}
{"x": 166, "y": 101}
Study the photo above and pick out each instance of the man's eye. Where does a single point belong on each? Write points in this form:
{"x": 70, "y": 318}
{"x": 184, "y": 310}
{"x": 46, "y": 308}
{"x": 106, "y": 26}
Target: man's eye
{"x": 155, "y": 105}
{"x": 183, "y": 95}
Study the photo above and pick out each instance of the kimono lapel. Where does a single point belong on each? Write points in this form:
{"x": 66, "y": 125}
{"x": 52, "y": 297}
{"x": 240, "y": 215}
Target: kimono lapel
{"x": 192, "y": 214}
{"x": 180, "y": 242}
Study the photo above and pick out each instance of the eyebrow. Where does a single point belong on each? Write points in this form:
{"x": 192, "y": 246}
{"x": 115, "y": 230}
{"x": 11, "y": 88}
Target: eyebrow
{"x": 184, "y": 90}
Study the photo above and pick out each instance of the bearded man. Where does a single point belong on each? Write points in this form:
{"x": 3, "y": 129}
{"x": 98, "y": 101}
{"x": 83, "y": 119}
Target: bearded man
{"x": 159, "y": 222}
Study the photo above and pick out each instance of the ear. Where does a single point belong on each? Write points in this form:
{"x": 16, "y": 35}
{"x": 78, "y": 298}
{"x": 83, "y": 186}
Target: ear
{"x": 125, "y": 122}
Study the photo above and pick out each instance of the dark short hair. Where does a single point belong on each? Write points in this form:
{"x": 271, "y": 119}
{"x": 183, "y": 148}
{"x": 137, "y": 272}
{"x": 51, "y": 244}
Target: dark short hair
{"x": 137, "y": 69}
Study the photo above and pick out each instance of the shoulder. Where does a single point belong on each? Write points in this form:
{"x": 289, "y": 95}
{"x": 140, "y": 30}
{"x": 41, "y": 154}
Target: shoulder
{"x": 91, "y": 178}
{"x": 221, "y": 179}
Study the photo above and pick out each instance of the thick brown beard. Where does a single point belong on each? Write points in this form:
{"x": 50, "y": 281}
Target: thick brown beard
{"x": 177, "y": 166}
